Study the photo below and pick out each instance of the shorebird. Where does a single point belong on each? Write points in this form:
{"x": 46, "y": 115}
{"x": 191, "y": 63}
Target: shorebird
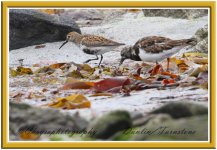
{"x": 92, "y": 44}
{"x": 154, "y": 49}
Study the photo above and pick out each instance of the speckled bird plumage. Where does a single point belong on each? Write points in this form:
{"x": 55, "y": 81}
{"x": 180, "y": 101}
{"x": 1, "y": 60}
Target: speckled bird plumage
{"x": 92, "y": 44}
{"x": 154, "y": 48}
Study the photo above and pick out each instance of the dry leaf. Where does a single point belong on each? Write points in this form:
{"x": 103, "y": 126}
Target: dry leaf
{"x": 156, "y": 70}
{"x": 77, "y": 85}
{"x": 110, "y": 83}
{"x": 169, "y": 74}
{"x": 200, "y": 60}
{"x": 28, "y": 135}
{"x": 71, "y": 102}
{"x": 168, "y": 81}
{"x": 20, "y": 71}
{"x": 39, "y": 46}
{"x": 57, "y": 65}
{"x": 101, "y": 94}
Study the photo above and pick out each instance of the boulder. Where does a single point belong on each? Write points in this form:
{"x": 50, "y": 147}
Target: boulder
{"x": 163, "y": 128}
{"x": 110, "y": 123}
{"x": 23, "y": 117}
{"x": 176, "y": 13}
{"x": 202, "y": 40}
{"x": 31, "y": 27}
{"x": 181, "y": 109}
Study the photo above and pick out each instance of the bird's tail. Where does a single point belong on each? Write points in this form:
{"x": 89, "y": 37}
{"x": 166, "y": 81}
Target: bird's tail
{"x": 192, "y": 41}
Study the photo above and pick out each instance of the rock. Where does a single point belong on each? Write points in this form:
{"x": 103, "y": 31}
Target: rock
{"x": 31, "y": 27}
{"x": 176, "y": 13}
{"x": 163, "y": 128}
{"x": 85, "y": 17}
{"x": 27, "y": 118}
{"x": 202, "y": 40}
{"x": 181, "y": 109}
{"x": 90, "y": 17}
{"x": 110, "y": 123}
{"x": 202, "y": 46}
{"x": 202, "y": 33}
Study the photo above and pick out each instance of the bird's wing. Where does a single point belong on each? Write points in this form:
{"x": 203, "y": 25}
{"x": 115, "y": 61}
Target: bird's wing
{"x": 156, "y": 44}
{"x": 97, "y": 41}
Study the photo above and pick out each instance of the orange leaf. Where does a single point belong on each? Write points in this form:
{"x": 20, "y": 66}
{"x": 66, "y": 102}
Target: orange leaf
{"x": 71, "y": 102}
{"x": 169, "y": 74}
{"x": 72, "y": 83}
{"x": 28, "y": 135}
{"x": 157, "y": 69}
{"x": 168, "y": 81}
{"x": 57, "y": 65}
{"x": 101, "y": 94}
{"x": 78, "y": 85}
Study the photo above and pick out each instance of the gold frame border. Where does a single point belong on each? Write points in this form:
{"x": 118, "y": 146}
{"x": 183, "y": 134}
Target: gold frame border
{"x": 101, "y": 144}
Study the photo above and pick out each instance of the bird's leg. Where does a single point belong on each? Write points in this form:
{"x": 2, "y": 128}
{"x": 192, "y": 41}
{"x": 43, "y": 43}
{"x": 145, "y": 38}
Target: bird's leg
{"x": 168, "y": 64}
{"x": 100, "y": 59}
{"x": 91, "y": 59}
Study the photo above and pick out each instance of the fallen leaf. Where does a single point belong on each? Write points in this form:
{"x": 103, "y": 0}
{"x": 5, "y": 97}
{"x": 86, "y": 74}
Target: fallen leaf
{"x": 39, "y": 46}
{"x": 169, "y": 74}
{"x": 20, "y": 71}
{"x": 71, "y": 102}
{"x": 200, "y": 60}
{"x": 77, "y": 85}
{"x": 110, "y": 83}
{"x": 28, "y": 135}
{"x": 44, "y": 90}
{"x": 101, "y": 94}
{"x": 75, "y": 74}
{"x": 166, "y": 81}
{"x": 46, "y": 69}
{"x": 36, "y": 65}
{"x": 156, "y": 70}
{"x": 202, "y": 79}
{"x": 57, "y": 65}
{"x": 195, "y": 54}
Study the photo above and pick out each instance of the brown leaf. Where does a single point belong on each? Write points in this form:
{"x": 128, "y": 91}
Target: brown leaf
{"x": 169, "y": 74}
{"x": 110, "y": 83}
{"x": 101, "y": 94}
{"x": 39, "y": 46}
{"x": 167, "y": 81}
{"x": 57, "y": 65}
{"x": 77, "y": 85}
{"x": 28, "y": 135}
{"x": 156, "y": 70}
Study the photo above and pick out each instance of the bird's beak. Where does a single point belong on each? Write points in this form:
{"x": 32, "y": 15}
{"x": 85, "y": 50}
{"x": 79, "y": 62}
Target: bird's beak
{"x": 63, "y": 44}
{"x": 122, "y": 60}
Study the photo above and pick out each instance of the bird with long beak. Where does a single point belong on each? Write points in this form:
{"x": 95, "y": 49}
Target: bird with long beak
{"x": 154, "y": 49}
{"x": 91, "y": 44}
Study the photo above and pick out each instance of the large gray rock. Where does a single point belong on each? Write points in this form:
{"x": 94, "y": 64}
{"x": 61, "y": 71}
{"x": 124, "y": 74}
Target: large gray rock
{"x": 176, "y": 13}
{"x": 181, "y": 109}
{"x": 163, "y": 128}
{"x": 30, "y": 27}
{"x": 110, "y": 123}
{"x": 23, "y": 117}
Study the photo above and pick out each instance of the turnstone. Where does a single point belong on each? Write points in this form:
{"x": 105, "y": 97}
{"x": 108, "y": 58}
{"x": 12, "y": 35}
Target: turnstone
{"x": 92, "y": 44}
{"x": 154, "y": 49}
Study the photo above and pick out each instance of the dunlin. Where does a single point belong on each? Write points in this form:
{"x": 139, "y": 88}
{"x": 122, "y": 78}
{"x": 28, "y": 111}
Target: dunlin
{"x": 154, "y": 49}
{"x": 92, "y": 44}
